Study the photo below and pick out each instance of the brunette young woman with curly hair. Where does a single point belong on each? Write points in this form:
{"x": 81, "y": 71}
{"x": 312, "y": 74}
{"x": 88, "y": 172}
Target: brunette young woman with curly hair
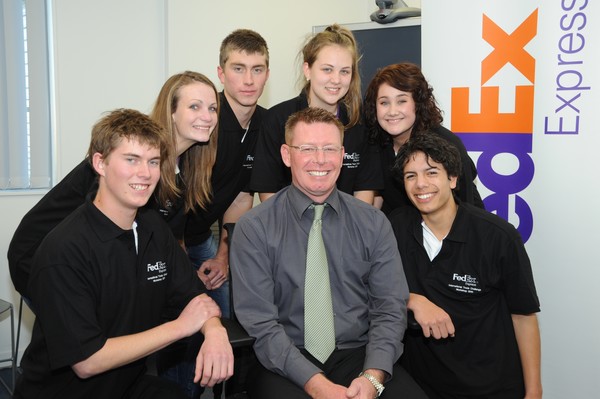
{"x": 399, "y": 103}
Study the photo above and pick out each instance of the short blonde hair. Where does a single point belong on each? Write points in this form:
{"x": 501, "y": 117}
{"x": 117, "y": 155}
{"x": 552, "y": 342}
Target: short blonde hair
{"x": 309, "y": 116}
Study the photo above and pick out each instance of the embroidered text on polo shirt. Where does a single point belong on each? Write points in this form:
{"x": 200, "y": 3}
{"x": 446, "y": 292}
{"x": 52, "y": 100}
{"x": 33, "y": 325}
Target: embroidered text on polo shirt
{"x": 156, "y": 272}
{"x": 465, "y": 283}
{"x": 351, "y": 161}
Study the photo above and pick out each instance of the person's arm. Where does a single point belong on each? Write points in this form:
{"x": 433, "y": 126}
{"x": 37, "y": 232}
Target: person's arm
{"x": 368, "y": 178}
{"x": 122, "y": 350}
{"x": 319, "y": 387}
{"x": 367, "y": 196}
{"x": 378, "y": 201}
{"x": 269, "y": 173}
{"x": 434, "y": 321}
{"x": 362, "y": 388}
{"x": 54, "y": 207}
{"x": 387, "y": 293}
{"x": 214, "y": 363}
{"x": 265, "y": 196}
{"x": 527, "y": 333}
{"x": 219, "y": 265}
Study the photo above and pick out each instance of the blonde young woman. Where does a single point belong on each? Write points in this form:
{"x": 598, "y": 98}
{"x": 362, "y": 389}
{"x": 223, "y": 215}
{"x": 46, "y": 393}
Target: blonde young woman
{"x": 187, "y": 107}
{"x": 332, "y": 82}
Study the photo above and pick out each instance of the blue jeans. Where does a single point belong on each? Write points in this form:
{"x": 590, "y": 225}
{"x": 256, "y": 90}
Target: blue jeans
{"x": 177, "y": 363}
{"x": 182, "y": 371}
{"x": 198, "y": 254}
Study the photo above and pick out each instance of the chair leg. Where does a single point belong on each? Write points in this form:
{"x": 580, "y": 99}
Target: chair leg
{"x": 14, "y": 353}
{"x": 19, "y": 329}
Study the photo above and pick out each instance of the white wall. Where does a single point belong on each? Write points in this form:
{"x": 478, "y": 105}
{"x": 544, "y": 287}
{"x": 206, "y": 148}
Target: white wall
{"x": 198, "y": 27}
{"x": 112, "y": 54}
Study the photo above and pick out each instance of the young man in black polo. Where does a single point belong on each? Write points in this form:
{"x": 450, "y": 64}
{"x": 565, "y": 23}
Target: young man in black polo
{"x": 243, "y": 70}
{"x": 107, "y": 278}
{"x": 471, "y": 286}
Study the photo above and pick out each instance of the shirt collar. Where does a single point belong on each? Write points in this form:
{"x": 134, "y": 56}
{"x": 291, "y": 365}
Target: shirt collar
{"x": 342, "y": 111}
{"x": 461, "y": 226}
{"x": 104, "y": 228}
{"x": 300, "y": 202}
{"x": 228, "y": 120}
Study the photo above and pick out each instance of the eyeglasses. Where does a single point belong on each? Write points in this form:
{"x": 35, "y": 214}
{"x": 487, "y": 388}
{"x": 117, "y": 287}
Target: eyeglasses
{"x": 307, "y": 149}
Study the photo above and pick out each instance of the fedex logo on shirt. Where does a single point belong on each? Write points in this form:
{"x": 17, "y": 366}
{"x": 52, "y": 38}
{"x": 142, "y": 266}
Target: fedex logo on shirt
{"x": 248, "y": 161}
{"x": 492, "y": 132}
{"x": 351, "y": 160}
{"x": 464, "y": 283}
{"x": 157, "y": 271}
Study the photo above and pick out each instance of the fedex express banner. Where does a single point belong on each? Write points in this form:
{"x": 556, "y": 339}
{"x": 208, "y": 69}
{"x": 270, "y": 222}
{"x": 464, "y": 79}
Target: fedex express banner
{"x": 509, "y": 75}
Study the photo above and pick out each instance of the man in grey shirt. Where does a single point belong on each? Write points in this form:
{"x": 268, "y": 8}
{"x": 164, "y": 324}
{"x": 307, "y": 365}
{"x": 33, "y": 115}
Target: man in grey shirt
{"x": 368, "y": 287}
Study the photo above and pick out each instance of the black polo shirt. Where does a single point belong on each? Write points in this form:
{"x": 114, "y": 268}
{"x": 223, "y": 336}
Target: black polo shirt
{"x": 481, "y": 276}
{"x": 360, "y": 168}
{"x": 394, "y": 195}
{"x": 55, "y": 206}
{"x": 88, "y": 285}
{"x": 231, "y": 172}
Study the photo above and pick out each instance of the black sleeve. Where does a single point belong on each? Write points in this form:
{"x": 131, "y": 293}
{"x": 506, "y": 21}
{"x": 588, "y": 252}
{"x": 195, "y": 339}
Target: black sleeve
{"x": 269, "y": 173}
{"x": 55, "y": 206}
{"x": 370, "y": 173}
{"x": 184, "y": 283}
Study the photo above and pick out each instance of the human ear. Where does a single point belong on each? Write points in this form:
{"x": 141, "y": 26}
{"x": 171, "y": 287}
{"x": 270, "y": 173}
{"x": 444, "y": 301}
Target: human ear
{"x": 453, "y": 181}
{"x": 306, "y": 70}
{"x": 220, "y": 74}
{"x": 285, "y": 155}
{"x": 98, "y": 163}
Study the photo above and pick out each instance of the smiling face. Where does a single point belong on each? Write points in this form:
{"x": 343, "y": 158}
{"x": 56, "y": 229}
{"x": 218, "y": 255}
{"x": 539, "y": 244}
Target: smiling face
{"x": 128, "y": 177}
{"x": 396, "y": 112}
{"x": 314, "y": 174}
{"x": 429, "y": 187}
{"x": 329, "y": 77}
{"x": 243, "y": 77}
{"x": 195, "y": 116}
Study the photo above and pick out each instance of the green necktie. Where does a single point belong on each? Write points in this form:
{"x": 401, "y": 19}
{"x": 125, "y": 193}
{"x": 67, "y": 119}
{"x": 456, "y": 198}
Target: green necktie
{"x": 319, "y": 331}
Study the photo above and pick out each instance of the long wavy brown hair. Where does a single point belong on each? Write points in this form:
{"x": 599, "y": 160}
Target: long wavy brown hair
{"x": 406, "y": 77}
{"x": 195, "y": 163}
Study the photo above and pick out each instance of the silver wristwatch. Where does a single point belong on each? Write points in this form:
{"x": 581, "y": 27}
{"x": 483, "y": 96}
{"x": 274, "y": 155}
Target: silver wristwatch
{"x": 378, "y": 385}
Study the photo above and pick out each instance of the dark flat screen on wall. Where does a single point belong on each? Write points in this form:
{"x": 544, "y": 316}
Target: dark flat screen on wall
{"x": 382, "y": 45}
{"x": 385, "y": 46}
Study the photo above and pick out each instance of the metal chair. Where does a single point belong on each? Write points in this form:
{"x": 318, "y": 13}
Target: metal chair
{"x": 8, "y": 307}
{"x": 240, "y": 341}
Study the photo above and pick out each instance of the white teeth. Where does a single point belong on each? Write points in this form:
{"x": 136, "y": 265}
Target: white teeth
{"x": 424, "y": 196}
{"x": 139, "y": 187}
{"x": 317, "y": 173}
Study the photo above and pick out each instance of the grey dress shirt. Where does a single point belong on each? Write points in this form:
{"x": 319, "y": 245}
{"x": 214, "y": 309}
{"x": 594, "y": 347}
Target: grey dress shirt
{"x": 369, "y": 290}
